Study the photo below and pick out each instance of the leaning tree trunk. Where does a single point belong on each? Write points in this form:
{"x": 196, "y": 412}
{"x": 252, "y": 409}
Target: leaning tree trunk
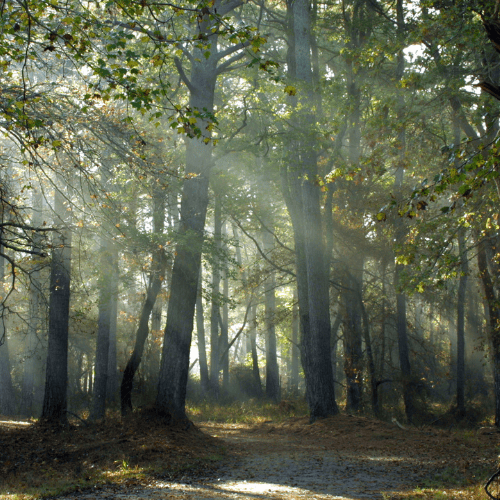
{"x": 156, "y": 279}
{"x": 56, "y": 381}
{"x": 142, "y": 333}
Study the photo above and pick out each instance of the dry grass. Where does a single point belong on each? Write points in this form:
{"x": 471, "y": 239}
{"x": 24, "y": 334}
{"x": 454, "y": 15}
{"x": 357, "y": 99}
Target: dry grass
{"x": 40, "y": 460}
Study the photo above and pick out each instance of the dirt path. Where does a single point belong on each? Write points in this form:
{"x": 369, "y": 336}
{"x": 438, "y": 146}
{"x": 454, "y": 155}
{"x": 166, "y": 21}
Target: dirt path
{"x": 292, "y": 462}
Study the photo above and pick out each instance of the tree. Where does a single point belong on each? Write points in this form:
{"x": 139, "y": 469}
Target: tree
{"x": 272, "y": 369}
{"x": 55, "y": 397}
{"x": 206, "y": 66}
{"x": 303, "y": 202}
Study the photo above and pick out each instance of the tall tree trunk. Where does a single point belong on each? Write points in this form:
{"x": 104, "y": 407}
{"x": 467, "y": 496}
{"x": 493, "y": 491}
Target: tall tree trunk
{"x": 403, "y": 349}
{"x": 311, "y": 278}
{"x": 34, "y": 320}
{"x": 272, "y": 370}
{"x": 335, "y": 343}
{"x": 107, "y": 297}
{"x": 156, "y": 327}
{"x": 224, "y": 330}
{"x": 215, "y": 311}
{"x": 353, "y": 350}
{"x": 295, "y": 352}
{"x": 202, "y": 350}
{"x": 106, "y": 289}
{"x": 493, "y": 318}
{"x": 174, "y": 369}
{"x": 475, "y": 355}
{"x": 462, "y": 286}
{"x": 369, "y": 354}
{"x": 401, "y": 320}
{"x": 7, "y": 395}
{"x": 113, "y": 376}
{"x": 56, "y": 381}
{"x": 253, "y": 343}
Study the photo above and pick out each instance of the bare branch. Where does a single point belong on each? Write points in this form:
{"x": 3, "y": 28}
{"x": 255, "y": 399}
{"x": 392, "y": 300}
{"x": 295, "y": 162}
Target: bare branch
{"x": 226, "y": 350}
{"x": 263, "y": 255}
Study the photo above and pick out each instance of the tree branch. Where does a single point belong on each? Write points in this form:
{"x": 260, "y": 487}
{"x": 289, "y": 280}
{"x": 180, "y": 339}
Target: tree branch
{"x": 229, "y": 6}
{"x": 264, "y": 256}
{"x": 239, "y": 331}
{"x": 183, "y": 75}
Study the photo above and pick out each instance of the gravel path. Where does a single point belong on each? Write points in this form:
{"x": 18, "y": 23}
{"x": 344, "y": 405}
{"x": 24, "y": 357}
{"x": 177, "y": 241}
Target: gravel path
{"x": 282, "y": 467}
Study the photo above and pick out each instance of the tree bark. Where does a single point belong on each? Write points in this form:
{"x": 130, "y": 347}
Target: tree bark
{"x": 174, "y": 367}
{"x": 56, "y": 381}
{"x": 312, "y": 281}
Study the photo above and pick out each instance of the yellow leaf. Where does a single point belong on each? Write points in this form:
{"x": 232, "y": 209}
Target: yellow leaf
{"x": 290, "y": 90}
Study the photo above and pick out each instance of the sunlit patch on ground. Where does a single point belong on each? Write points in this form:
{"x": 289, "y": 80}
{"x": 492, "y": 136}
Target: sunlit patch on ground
{"x": 15, "y": 423}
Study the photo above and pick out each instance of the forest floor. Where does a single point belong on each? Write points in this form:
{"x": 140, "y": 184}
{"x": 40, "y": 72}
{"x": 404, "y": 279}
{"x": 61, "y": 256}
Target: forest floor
{"x": 343, "y": 457}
